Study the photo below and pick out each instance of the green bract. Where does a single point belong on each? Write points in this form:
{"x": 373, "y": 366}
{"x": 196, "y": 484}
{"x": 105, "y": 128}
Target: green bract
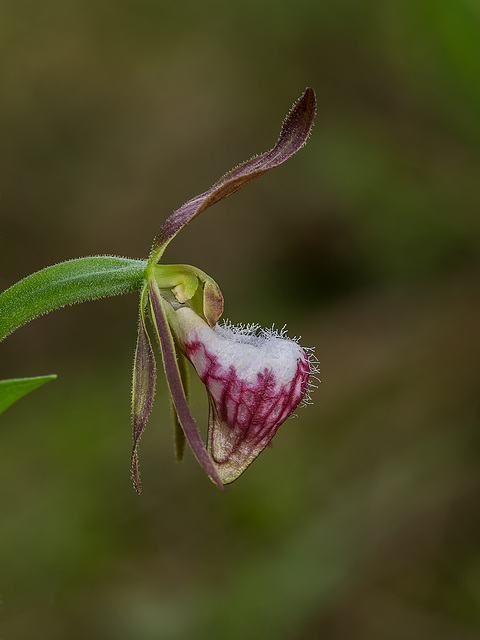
{"x": 249, "y": 396}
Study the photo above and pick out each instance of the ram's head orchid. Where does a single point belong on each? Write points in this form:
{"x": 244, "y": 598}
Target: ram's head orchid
{"x": 254, "y": 378}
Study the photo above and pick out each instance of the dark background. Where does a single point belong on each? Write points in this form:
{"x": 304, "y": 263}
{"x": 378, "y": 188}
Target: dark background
{"x": 363, "y": 519}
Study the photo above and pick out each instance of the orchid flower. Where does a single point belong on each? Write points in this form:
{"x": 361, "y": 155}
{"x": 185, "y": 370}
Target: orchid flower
{"x": 254, "y": 378}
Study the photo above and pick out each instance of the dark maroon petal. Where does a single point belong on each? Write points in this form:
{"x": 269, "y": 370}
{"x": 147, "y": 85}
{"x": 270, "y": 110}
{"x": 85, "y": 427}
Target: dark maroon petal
{"x": 175, "y": 385}
{"x": 295, "y": 131}
{"x": 143, "y": 390}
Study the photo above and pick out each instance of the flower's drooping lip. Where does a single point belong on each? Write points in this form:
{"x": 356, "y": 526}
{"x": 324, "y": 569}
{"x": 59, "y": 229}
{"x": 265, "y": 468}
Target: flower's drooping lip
{"x": 254, "y": 384}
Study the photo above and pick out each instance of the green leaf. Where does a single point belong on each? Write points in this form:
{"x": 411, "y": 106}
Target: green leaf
{"x": 66, "y": 283}
{"x": 14, "y": 389}
{"x": 294, "y": 134}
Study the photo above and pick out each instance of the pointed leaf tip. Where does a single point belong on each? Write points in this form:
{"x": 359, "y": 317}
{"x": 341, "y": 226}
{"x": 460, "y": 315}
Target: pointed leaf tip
{"x": 14, "y": 389}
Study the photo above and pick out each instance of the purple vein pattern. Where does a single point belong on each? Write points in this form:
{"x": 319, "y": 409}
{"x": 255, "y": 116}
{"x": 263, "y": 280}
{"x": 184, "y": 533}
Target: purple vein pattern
{"x": 252, "y": 390}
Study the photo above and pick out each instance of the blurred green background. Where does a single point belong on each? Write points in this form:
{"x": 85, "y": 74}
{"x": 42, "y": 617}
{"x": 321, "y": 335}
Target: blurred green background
{"x": 362, "y": 521}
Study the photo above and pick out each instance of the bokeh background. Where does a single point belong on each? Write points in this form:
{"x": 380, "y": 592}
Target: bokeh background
{"x": 362, "y": 521}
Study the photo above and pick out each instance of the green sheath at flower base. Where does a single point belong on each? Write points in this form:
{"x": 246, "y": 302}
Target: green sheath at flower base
{"x": 180, "y": 278}
{"x": 190, "y": 284}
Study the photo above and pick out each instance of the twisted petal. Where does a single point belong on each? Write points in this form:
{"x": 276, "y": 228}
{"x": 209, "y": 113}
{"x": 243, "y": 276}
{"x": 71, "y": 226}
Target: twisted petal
{"x": 143, "y": 388}
{"x": 294, "y": 134}
{"x": 254, "y": 384}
